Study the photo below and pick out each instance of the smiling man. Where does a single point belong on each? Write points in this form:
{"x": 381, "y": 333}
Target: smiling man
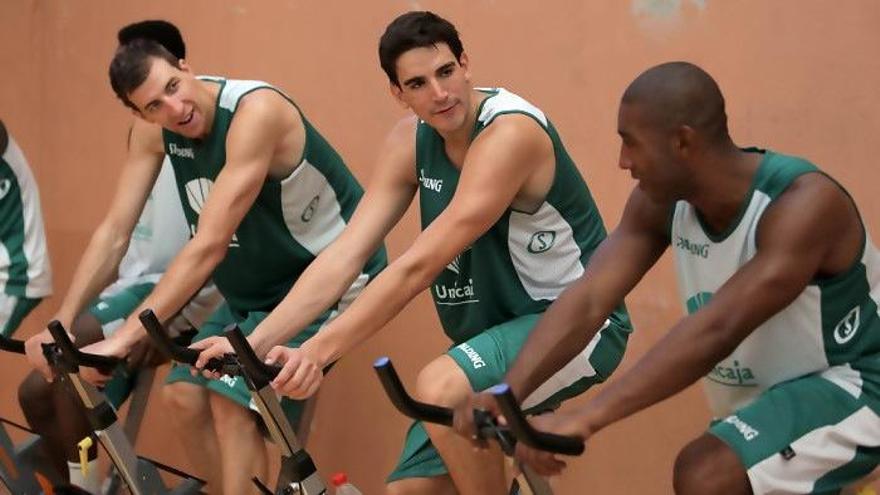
{"x": 263, "y": 194}
{"x": 507, "y": 223}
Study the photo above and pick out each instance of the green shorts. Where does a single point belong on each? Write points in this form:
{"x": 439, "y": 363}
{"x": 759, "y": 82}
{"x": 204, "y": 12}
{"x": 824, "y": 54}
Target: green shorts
{"x": 13, "y": 309}
{"x": 814, "y": 434}
{"x": 235, "y": 388}
{"x": 111, "y": 312}
{"x": 485, "y": 359}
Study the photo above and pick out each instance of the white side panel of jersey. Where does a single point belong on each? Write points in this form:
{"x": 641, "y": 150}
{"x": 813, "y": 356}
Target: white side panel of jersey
{"x": 505, "y": 101}
{"x": 543, "y": 251}
{"x": 871, "y": 260}
{"x": 786, "y": 346}
{"x": 311, "y": 210}
{"x": 161, "y": 232}
{"x": 39, "y": 272}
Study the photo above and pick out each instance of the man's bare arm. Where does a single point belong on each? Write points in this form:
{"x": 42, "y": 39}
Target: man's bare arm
{"x": 798, "y": 239}
{"x": 99, "y": 264}
{"x": 616, "y": 266}
{"x": 328, "y": 277}
{"x": 258, "y": 127}
{"x": 506, "y": 149}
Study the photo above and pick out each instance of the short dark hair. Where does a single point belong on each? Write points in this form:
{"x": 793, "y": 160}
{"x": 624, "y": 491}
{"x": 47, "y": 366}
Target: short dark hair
{"x": 415, "y": 30}
{"x": 4, "y": 138}
{"x": 162, "y": 32}
{"x": 131, "y": 65}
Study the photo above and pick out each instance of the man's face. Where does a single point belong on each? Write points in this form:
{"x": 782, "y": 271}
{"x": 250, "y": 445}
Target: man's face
{"x": 168, "y": 98}
{"x": 435, "y": 86}
{"x": 646, "y": 151}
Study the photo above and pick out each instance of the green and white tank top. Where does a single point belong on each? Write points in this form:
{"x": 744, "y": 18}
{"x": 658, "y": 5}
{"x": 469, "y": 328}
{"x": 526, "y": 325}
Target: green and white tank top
{"x": 526, "y": 259}
{"x": 832, "y": 322}
{"x": 24, "y": 261}
{"x": 160, "y": 233}
{"x": 291, "y": 221}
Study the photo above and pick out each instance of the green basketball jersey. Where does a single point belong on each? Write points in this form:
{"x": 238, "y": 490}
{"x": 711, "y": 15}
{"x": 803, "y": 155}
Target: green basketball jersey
{"x": 291, "y": 221}
{"x": 24, "y": 261}
{"x": 832, "y": 322}
{"x": 525, "y": 260}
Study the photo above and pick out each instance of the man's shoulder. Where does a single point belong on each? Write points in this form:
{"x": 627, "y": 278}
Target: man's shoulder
{"x": 500, "y": 101}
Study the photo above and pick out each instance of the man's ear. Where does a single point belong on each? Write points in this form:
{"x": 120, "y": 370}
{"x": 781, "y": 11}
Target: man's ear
{"x": 683, "y": 140}
{"x": 465, "y": 64}
{"x": 184, "y": 66}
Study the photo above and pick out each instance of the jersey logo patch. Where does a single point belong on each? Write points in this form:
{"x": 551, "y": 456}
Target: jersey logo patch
{"x": 5, "y": 187}
{"x": 197, "y": 192}
{"x": 541, "y": 241}
{"x": 309, "y": 212}
{"x": 847, "y": 327}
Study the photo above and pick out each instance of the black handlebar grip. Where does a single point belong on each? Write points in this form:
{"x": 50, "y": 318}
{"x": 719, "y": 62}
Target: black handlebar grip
{"x": 257, "y": 371}
{"x": 11, "y": 345}
{"x": 171, "y": 349}
{"x": 525, "y": 433}
{"x": 77, "y": 357}
{"x": 402, "y": 400}
{"x": 163, "y": 341}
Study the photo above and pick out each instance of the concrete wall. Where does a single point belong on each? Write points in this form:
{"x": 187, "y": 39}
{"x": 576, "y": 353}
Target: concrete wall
{"x": 799, "y": 76}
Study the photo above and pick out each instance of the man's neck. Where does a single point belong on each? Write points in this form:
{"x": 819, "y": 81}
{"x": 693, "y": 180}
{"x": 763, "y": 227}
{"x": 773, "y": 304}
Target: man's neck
{"x": 722, "y": 183}
{"x": 459, "y": 140}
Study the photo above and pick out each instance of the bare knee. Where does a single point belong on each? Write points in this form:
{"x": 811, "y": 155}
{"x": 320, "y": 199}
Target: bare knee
{"x": 186, "y": 402}
{"x": 35, "y": 395}
{"x": 231, "y": 416}
{"x": 708, "y": 465}
{"x": 442, "y": 382}
{"x": 435, "y": 485}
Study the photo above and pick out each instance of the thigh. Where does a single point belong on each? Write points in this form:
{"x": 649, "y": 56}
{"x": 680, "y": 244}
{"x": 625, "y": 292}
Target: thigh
{"x": 112, "y": 310}
{"x": 486, "y": 357}
{"x": 815, "y": 434}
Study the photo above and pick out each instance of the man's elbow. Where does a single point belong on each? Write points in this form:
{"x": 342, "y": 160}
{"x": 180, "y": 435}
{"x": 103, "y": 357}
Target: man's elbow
{"x": 209, "y": 250}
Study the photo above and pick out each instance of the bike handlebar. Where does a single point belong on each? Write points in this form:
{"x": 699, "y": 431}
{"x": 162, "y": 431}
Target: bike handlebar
{"x": 179, "y": 353}
{"x": 404, "y": 402}
{"x": 518, "y": 427}
{"x": 258, "y": 371}
{"x": 526, "y": 433}
{"x": 68, "y": 351}
{"x": 11, "y": 345}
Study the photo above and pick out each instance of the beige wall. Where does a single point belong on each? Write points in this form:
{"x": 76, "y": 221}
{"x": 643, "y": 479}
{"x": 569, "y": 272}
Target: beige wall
{"x": 799, "y": 76}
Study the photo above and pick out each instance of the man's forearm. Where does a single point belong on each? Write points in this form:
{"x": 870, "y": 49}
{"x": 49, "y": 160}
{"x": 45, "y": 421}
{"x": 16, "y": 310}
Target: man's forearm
{"x": 382, "y": 300}
{"x": 562, "y": 333}
{"x": 323, "y": 283}
{"x": 186, "y": 274}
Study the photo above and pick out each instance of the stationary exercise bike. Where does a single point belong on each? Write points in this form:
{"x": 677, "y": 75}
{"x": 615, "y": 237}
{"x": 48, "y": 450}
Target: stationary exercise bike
{"x": 517, "y": 428}
{"x": 298, "y": 474}
{"x": 139, "y": 474}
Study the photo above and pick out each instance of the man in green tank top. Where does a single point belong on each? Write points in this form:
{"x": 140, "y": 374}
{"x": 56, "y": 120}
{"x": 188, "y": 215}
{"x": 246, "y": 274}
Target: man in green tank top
{"x": 25, "y": 273}
{"x": 780, "y": 281}
{"x": 263, "y": 194}
{"x": 507, "y": 222}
